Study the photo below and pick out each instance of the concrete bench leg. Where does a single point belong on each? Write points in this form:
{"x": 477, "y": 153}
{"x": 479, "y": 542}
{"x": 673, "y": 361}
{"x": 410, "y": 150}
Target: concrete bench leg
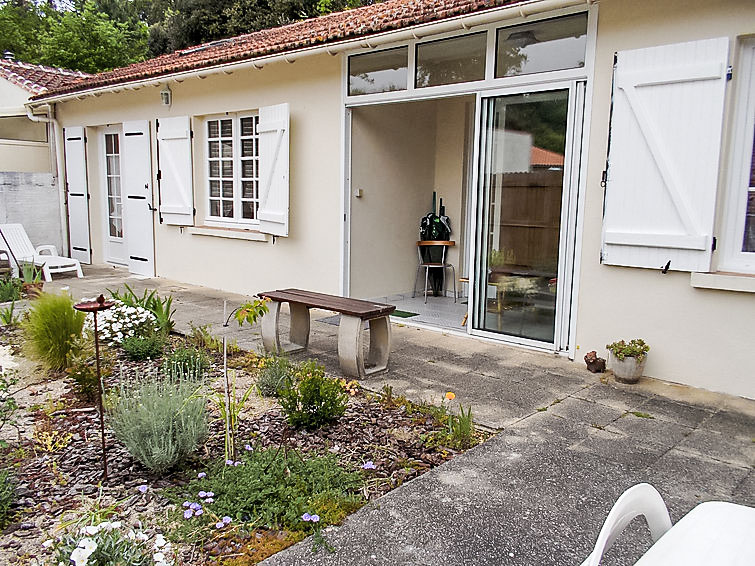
{"x": 350, "y": 346}
{"x": 298, "y": 335}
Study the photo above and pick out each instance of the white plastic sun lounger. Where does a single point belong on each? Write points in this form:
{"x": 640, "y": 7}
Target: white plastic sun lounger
{"x": 18, "y": 249}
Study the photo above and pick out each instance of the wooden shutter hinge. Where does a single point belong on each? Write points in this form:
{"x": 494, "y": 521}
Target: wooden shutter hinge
{"x": 604, "y": 178}
{"x": 159, "y": 174}
{"x": 713, "y": 244}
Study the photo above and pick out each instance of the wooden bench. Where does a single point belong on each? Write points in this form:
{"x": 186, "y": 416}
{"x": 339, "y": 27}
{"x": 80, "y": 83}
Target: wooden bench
{"x": 350, "y": 341}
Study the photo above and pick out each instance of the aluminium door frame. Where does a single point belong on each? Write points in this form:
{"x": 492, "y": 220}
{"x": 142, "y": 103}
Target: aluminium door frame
{"x": 568, "y": 229}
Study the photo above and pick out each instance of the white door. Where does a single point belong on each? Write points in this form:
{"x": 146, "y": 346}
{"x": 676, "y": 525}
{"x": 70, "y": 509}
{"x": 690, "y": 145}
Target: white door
{"x": 113, "y": 237}
{"x": 136, "y": 183}
{"x": 77, "y": 193}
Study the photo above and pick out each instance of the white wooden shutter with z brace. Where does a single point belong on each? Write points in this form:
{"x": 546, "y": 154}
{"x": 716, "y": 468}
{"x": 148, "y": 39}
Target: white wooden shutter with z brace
{"x": 663, "y": 161}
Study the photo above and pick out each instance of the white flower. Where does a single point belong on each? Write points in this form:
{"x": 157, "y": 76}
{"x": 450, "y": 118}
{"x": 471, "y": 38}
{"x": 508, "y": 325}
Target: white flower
{"x": 160, "y": 541}
{"x": 48, "y": 543}
{"x": 158, "y": 557}
{"x": 141, "y": 537}
{"x": 88, "y": 544}
{"x": 79, "y": 557}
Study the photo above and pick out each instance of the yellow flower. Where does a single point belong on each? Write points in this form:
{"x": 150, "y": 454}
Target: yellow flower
{"x": 450, "y": 396}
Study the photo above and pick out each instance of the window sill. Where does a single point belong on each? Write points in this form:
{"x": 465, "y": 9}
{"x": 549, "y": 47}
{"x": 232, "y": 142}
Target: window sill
{"x": 230, "y": 233}
{"x": 724, "y": 281}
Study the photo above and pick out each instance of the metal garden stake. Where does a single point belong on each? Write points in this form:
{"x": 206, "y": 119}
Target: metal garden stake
{"x": 94, "y": 307}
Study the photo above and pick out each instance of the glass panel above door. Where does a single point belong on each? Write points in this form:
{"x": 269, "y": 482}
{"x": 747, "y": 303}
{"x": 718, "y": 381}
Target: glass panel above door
{"x": 451, "y": 61}
{"x": 548, "y": 45}
{"x": 521, "y": 187}
{"x": 384, "y": 71}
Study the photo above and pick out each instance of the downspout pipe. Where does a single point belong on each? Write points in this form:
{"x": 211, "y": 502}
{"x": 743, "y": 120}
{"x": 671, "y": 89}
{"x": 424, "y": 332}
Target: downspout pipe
{"x": 57, "y": 141}
{"x": 465, "y": 22}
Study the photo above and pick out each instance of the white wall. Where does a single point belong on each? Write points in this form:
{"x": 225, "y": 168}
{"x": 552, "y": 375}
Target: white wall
{"x": 31, "y": 199}
{"x": 17, "y": 155}
{"x": 699, "y": 337}
{"x": 310, "y": 256}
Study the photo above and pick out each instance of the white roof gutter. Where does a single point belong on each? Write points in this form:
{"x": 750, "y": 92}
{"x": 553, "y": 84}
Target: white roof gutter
{"x": 457, "y": 23}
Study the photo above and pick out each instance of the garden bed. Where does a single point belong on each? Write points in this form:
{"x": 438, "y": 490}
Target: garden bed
{"x": 375, "y": 445}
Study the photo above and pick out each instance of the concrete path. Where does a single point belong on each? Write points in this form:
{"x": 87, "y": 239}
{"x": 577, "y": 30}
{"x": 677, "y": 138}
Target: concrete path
{"x": 536, "y": 493}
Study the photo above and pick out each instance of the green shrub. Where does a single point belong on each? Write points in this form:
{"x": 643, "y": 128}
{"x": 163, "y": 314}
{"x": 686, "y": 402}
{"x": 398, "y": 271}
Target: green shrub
{"x": 51, "y": 329}
{"x": 10, "y": 289}
{"x": 636, "y": 348}
{"x": 146, "y": 347}
{"x": 186, "y": 363}
{"x": 275, "y": 374}
{"x": 269, "y": 489}
{"x": 82, "y": 366}
{"x": 159, "y": 421}
{"x": 7, "y": 496}
{"x": 201, "y": 337}
{"x": 313, "y": 400}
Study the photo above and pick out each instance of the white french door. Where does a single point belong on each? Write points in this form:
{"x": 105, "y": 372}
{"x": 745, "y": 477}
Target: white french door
{"x": 112, "y": 192}
{"x": 529, "y": 144}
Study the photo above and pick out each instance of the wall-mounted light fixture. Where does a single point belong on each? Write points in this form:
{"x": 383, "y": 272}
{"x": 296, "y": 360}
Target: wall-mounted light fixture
{"x": 166, "y": 96}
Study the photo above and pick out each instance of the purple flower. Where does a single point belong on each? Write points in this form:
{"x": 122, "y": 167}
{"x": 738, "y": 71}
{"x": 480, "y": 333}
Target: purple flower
{"x": 187, "y": 503}
{"x": 209, "y": 500}
{"x": 306, "y": 517}
{"x": 248, "y": 447}
{"x": 195, "y": 506}
{"x": 142, "y": 489}
{"x": 226, "y": 519}
{"x": 210, "y": 494}
{"x": 188, "y": 513}
{"x": 202, "y": 494}
{"x": 368, "y": 465}
{"x": 219, "y": 525}
{"x": 315, "y": 518}
{"x": 237, "y": 463}
{"x": 201, "y": 475}
{"x": 229, "y": 462}
{"x": 198, "y": 512}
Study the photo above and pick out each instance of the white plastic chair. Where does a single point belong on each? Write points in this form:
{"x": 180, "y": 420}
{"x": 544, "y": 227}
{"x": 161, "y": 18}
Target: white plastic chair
{"x": 641, "y": 499}
{"x": 21, "y": 251}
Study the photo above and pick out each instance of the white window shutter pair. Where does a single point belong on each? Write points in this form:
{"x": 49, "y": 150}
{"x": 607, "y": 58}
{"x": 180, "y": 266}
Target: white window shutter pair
{"x": 663, "y": 160}
{"x": 77, "y": 193}
{"x": 176, "y": 193}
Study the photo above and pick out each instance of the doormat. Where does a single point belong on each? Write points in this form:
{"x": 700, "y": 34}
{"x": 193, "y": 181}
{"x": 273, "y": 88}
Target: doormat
{"x": 404, "y": 314}
{"x": 335, "y": 320}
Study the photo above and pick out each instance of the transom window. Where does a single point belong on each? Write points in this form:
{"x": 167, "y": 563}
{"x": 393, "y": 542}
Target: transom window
{"x": 233, "y": 168}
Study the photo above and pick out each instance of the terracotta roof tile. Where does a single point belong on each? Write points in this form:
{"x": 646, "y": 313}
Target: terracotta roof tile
{"x": 544, "y": 157}
{"x": 38, "y": 79}
{"x": 350, "y": 24}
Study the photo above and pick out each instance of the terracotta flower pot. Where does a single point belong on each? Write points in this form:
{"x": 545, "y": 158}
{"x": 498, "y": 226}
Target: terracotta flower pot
{"x": 628, "y": 370}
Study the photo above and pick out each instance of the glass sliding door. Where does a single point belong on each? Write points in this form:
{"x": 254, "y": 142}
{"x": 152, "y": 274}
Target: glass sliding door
{"x": 523, "y": 169}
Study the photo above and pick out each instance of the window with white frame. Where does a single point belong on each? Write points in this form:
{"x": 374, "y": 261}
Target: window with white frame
{"x": 739, "y": 229}
{"x": 233, "y": 169}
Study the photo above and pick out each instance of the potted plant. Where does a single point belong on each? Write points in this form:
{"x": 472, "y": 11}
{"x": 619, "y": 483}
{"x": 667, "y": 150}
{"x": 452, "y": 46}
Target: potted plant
{"x": 32, "y": 282}
{"x": 627, "y": 359}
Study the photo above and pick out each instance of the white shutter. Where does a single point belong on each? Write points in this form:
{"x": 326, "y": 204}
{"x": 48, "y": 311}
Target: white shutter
{"x": 664, "y": 152}
{"x": 274, "y": 138}
{"x": 77, "y": 193}
{"x": 136, "y": 180}
{"x": 175, "y": 172}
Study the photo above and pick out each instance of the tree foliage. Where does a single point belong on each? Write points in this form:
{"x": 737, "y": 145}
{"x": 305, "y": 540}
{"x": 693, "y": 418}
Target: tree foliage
{"x": 98, "y": 35}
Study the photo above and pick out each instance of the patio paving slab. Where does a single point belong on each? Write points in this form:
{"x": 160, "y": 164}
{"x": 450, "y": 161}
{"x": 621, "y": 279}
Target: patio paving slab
{"x": 538, "y": 491}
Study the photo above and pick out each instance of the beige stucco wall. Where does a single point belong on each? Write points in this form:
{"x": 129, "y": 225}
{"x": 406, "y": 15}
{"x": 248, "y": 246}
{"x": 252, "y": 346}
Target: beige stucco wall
{"x": 698, "y": 337}
{"x": 393, "y": 163}
{"x": 15, "y": 155}
{"x": 400, "y": 154}
{"x": 310, "y": 256}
